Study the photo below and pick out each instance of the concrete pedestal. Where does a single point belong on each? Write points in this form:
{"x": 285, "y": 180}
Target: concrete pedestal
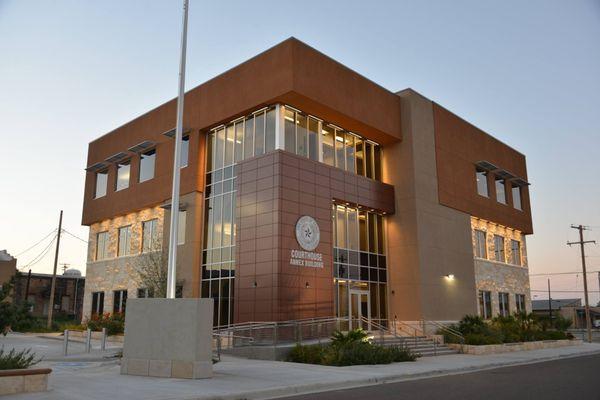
{"x": 169, "y": 338}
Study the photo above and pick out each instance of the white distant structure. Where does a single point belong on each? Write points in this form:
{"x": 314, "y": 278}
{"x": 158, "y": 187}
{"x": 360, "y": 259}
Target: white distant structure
{"x": 73, "y": 273}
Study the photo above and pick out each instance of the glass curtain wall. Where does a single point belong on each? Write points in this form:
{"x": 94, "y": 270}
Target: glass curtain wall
{"x": 359, "y": 259}
{"x": 334, "y": 146}
{"x": 226, "y": 145}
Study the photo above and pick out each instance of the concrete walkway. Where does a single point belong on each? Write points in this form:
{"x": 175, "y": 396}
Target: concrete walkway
{"x": 251, "y": 379}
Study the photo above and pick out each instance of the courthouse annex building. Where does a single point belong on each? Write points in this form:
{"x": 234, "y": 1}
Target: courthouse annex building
{"x": 307, "y": 191}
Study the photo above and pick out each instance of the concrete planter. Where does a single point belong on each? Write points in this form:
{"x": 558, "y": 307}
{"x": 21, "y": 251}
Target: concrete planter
{"x": 510, "y": 347}
{"x": 13, "y": 381}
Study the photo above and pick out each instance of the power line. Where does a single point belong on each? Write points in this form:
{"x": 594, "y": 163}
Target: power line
{"x": 75, "y": 236}
{"x": 36, "y": 243}
{"x": 562, "y": 273}
{"x": 40, "y": 256}
{"x": 564, "y": 291}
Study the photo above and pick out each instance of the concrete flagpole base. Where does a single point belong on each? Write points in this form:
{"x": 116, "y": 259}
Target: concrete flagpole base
{"x": 168, "y": 338}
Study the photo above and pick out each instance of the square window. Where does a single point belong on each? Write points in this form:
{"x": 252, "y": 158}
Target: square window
{"x": 101, "y": 183}
{"x": 147, "y": 161}
{"x": 482, "y": 183}
{"x": 123, "y": 170}
{"x": 516, "y": 197}
{"x": 500, "y": 191}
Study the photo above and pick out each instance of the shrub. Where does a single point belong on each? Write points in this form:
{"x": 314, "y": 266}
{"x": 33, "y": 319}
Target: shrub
{"x": 114, "y": 323}
{"x": 561, "y": 323}
{"x": 310, "y": 354}
{"x": 17, "y": 359}
{"x": 550, "y": 335}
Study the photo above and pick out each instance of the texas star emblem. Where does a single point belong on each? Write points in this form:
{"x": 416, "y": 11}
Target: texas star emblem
{"x": 308, "y": 234}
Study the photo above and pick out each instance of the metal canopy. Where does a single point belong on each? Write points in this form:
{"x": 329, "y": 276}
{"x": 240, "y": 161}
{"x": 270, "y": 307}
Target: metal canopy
{"x": 171, "y": 132}
{"x": 501, "y": 173}
{"x": 97, "y": 167}
{"x": 520, "y": 182}
{"x": 120, "y": 156}
{"x": 167, "y": 206}
{"x": 488, "y": 166}
{"x": 140, "y": 147}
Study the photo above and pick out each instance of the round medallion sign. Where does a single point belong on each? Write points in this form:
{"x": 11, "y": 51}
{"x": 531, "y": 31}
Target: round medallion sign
{"x": 308, "y": 233}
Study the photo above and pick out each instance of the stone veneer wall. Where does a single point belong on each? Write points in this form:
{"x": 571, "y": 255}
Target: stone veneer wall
{"x": 116, "y": 273}
{"x": 509, "y": 234}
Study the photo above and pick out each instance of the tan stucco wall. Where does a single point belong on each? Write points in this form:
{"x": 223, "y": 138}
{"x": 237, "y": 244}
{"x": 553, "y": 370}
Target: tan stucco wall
{"x": 426, "y": 240}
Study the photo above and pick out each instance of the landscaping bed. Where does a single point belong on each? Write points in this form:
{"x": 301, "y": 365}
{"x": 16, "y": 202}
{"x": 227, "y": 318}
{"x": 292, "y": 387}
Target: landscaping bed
{"x": 510, "y": 347}
{"x": 352, "y": 348}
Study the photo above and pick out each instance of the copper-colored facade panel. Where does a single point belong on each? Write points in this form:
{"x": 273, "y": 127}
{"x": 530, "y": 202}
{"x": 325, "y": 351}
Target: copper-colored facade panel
{"x": 459, "y": 146}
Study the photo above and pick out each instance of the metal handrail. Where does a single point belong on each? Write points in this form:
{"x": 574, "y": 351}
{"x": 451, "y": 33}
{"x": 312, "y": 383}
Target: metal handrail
{"x": 445, "y": 328}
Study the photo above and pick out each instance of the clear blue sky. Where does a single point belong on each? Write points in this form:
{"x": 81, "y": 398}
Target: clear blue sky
{"x": 526, "y": 72}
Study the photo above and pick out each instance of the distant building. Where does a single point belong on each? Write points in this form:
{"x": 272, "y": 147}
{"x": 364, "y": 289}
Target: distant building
{"x": 541, "y": 307}
{"x": 68, "y": 295}
{"x": 577, "y": 315}
{"x": 8, "y": 267}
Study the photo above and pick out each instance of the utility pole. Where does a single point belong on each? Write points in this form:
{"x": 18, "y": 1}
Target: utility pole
{"x": 549, "y": 301}
{"x": 53, "y": 287}
{"x": 582, "y": 244}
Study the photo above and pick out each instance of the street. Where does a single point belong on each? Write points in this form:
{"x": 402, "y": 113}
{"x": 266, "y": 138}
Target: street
{"x": 573, "y": 378}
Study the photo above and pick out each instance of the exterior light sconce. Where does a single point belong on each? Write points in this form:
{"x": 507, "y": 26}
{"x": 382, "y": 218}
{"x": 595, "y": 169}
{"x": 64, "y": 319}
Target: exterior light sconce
{"x": 449, "y": 277}
{"x": 254, "y": 284}
{"x": 307, "y": 285}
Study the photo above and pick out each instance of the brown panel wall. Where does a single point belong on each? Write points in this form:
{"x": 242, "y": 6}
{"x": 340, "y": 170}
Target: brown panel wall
{"x": 290, "y": 72}
{"x": 273, "y": 192}
{"x": 459, "y": 145}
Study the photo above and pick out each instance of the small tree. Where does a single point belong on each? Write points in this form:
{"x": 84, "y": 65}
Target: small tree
{"x": 11, "y": 313}
{"x": 151, "y": 270}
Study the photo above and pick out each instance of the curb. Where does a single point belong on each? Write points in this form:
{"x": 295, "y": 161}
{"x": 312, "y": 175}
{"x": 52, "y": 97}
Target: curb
{"x": 354, "y": 383}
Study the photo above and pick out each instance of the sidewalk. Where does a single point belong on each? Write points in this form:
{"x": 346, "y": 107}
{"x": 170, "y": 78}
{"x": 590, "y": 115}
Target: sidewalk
{"x": 252, "y": 379}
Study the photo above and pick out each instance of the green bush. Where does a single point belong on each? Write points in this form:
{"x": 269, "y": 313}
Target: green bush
{"x": 478, "y": 339}
{"x": 350, "y": 348}
{"x": 114, "y": 323}
{"x": 550, "y": 335}
{"x": 17, "y": 359}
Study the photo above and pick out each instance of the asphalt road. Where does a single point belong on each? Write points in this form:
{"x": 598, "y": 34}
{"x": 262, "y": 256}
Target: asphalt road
{"x": 573, "y": 378}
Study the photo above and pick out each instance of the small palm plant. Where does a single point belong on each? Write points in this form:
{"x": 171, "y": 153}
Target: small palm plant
{"x": 339, "y": 339}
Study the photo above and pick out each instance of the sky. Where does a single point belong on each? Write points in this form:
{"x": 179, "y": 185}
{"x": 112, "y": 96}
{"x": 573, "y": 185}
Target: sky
{"x": 526, "y": 72}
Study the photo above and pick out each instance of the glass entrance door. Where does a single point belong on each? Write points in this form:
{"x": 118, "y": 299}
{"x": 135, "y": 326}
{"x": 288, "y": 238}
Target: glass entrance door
{"x": 360, "y": 309}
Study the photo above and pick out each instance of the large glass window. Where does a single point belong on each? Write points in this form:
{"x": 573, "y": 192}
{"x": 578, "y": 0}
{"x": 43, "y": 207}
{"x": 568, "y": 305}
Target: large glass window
{"x": 97, "y": 303}
{"x": 499, "y": 248}
{"x": 482, "y": 183}
{"x": 102, "y": 242}
{"x": 123, "y": 170}
{"x": 147, "y": 160}
{"x": 150, "y": 240}
{"x": 124, "y": 241}
{"x": 503, "y": 307}
{"x": 515, "y": 252}
{"x": 340, "y": 159}
{"x": 480, "y": 244}
{"x": 516, "y": 197}
{"x": 119, "y": 301}
{"x": 500, "y": 191}
{"x": 328, "y": 139}
{"x": 359, "y": 258}
{"x": 520, "y": 302}
{"x": 485, "y": 304}
{"x": 101, "y": 183}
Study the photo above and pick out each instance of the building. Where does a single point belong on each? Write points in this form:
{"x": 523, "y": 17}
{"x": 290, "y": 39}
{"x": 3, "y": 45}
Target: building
{"x": 307, "y": 190}
{"x": 542, "y": 307}
{"x": 8, "y": 267}
{"x": 68, "y": 294}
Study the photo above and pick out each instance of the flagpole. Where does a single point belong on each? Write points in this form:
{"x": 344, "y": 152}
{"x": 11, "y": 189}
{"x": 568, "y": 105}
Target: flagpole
{"x": 172, "y": 262}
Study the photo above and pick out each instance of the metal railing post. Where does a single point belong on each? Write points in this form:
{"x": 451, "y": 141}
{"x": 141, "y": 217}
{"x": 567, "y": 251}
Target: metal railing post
{"x": 103, "y": 341}
{"x": 219, "y": 347}
{"x": 66, "y": 342}
{"x": 88, "y": 341}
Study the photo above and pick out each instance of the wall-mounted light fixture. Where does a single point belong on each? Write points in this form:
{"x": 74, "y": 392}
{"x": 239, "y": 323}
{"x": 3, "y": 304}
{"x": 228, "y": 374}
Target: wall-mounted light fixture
{"x": 450, "y": 277}
{"x": 254, "y": 284}
{"x": 307, "y": 285}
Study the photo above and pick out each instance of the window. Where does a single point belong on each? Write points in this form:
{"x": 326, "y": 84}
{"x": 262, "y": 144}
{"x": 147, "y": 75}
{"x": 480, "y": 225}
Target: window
{"x": 503, "y": 307}
{"x": 97, "y": 303}
{"x": 181, "y": 227}
{"x": 520, "y": 302}
{"x": 150, "y": 240}
{"x": 185, "y": 151}
{"x": 499, "y": 248}
{"x": 101, "y": 246}
{"x": 515, "y": 252}
{"x": 123, "y": 170}
{"x": 480, "y": 244}
{"x": 101, "y": 183}
{"x": 145, "y": 293}
{"x": 147, "y": 160}
{"x": 485, "y": 304}
{"x": 500, "y": 191}
{"x": 124, "y": 241}
{"x": 516, "y": 197}
{"x": 119, "y": 301}
{"x": 482, "y": 183}
{"x": 328, "y": 139}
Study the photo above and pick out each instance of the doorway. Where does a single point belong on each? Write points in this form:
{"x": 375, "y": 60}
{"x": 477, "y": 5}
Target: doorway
{"x": 360, "y": 309}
